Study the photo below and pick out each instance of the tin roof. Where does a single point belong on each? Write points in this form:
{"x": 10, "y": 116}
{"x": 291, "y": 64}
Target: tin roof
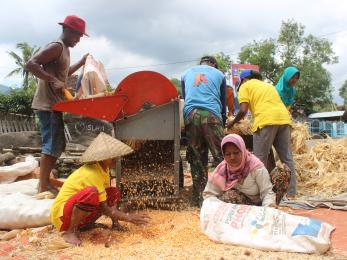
{"x": 326, "y": 114}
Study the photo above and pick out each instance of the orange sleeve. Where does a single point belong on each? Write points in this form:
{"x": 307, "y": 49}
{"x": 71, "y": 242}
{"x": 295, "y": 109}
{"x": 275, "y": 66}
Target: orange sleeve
{"x": 230, "y": 101}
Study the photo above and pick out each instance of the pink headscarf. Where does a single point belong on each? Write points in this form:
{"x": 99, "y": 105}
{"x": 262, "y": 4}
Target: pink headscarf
{"x": 225, "y": 176}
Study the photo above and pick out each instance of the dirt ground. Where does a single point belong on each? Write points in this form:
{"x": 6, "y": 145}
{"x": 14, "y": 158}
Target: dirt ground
{"x": 170, "y": 235}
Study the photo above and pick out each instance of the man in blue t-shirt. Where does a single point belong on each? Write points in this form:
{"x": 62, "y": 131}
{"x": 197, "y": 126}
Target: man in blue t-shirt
{"x": 204, "y": 93}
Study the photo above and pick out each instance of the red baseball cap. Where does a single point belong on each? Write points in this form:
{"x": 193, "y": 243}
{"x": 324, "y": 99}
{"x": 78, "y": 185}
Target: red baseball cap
{"x": 75, "y": 23}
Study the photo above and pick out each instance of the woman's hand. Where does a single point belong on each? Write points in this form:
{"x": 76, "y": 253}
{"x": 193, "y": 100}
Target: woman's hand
{"x": 138, "y": 219}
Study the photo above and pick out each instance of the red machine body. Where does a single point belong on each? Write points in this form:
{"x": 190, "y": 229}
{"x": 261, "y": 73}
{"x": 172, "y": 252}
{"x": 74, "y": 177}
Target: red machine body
{"x": 136, "y": 91}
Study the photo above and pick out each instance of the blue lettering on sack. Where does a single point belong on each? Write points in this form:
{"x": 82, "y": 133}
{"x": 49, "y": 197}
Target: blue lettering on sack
{"x": 312, "y": 229}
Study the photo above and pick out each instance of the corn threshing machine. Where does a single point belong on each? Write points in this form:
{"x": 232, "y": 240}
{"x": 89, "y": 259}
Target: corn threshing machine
{"x": 144, "y": 109}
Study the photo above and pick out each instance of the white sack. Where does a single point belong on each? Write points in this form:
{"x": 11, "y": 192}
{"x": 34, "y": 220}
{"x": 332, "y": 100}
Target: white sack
{"x": 28, "y": 187}
{"x": 19, "y": 211}
{"x": 10, "y": 173}
{"x": 263, "y": 228}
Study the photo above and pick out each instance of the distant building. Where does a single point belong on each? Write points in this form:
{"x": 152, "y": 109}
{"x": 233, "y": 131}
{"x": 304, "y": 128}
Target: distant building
{"x": 329, "y": 123}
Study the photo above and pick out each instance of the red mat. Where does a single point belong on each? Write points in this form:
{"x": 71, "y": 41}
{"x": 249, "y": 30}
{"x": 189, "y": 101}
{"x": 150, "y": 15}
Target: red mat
{"x": 337, "y": 218}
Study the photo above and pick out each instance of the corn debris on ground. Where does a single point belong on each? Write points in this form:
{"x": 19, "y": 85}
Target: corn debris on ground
{"x": 170, "y": 235}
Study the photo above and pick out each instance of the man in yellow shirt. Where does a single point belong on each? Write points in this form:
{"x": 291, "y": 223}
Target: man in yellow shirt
{"x": 87, "y": 194}
{"x": 271, "y": 121}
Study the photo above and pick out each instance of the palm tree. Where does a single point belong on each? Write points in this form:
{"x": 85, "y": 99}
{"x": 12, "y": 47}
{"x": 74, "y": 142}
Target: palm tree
{"x": 21, "y": 60}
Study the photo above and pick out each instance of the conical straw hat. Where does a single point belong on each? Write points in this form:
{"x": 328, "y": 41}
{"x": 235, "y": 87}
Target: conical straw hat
{"x": 105, "y": 147}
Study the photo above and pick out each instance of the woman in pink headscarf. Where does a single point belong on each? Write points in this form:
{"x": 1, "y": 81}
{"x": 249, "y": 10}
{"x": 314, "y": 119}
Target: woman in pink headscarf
{"x": 243, "y": 179}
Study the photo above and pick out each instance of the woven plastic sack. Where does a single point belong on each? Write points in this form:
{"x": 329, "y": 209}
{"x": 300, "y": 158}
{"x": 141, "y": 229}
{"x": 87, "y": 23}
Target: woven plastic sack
{"x": 19, "y": 211}
{"x": 263, "y": 228}
{"x": 10, "y": 173}
{"x": 27, "y": 187}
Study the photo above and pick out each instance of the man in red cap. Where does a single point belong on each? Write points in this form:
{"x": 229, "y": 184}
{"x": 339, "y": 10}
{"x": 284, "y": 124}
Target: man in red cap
{"x": 51, "y": 65}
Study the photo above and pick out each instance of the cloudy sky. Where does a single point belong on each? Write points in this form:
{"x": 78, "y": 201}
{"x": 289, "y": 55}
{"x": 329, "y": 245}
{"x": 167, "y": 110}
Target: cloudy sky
{"x": 129, "y": 36}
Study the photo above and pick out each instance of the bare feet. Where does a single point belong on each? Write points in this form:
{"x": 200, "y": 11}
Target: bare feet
{"x": 72, "y": 238}
{"x": 49, "y": 187}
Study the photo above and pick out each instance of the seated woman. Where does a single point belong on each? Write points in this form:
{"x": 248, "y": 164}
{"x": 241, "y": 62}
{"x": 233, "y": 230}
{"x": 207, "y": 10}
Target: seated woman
{"x": 87, "y": 194}
{"x": 243, "y": 179}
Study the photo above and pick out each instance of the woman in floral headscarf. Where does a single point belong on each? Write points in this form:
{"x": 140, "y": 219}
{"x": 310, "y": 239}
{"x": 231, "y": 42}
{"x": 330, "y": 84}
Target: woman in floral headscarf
{"x": 285, "y": 85}
{"x": 243, "y": 179}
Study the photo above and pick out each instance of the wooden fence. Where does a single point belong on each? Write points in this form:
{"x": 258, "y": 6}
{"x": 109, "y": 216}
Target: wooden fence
{"x": 16, "y": 123}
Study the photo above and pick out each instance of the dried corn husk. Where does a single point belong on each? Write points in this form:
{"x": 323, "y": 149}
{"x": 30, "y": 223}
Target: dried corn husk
{"x": 243, "y": 127}
{"x": 299, "y": 135}
{"x": 11, "y": 234}
{"x": 44, "y": 195}
{"x": 323, "y": 170}
{"x": 58, "y": 243}
{"x": 40, "y": 231}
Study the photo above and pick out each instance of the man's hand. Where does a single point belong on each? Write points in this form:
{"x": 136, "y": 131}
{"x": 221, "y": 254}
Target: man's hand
{"x": 138, "y": 219}
{"x": 240, "y": 115}
{"x": 57, "y": 84}
{"x": 84, "y": 58}
{"x": 230, "y": 124}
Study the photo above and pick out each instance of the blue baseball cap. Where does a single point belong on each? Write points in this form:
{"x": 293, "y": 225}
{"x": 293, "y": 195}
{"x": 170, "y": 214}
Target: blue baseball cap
{"x": 247, "y": 74}
{"x": 243, "y": 74}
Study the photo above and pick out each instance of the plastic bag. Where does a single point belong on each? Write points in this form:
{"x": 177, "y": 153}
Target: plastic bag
{"x": 263, "y": 228}
{"x": 10, "y": 173}
{"x": 94, "y": 79}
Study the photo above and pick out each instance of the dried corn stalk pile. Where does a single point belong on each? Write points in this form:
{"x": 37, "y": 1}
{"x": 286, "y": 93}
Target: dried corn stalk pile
{"x": 243, "y": 127}
{"x": 169, "y": 235}
{"x": 323, "y": 170}
{"x": 299, "y": 135}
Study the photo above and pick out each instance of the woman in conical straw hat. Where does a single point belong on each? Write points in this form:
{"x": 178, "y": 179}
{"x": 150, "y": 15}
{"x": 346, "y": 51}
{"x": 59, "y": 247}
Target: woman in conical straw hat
{"x": 86, "y": 194}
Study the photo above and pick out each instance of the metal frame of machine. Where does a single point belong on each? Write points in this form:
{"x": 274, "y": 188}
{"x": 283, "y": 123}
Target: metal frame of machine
{"x": 158, "y": 123}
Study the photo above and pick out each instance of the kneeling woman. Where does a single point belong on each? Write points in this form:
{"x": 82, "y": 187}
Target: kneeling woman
{"x": 243, "y": 179}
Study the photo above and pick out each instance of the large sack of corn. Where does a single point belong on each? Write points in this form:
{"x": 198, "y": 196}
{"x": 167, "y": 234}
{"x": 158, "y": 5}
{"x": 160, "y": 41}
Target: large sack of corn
{"x": 22, "y": 211}
{"x": 263, "y": 228}
{"x": 10, "y": 173}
